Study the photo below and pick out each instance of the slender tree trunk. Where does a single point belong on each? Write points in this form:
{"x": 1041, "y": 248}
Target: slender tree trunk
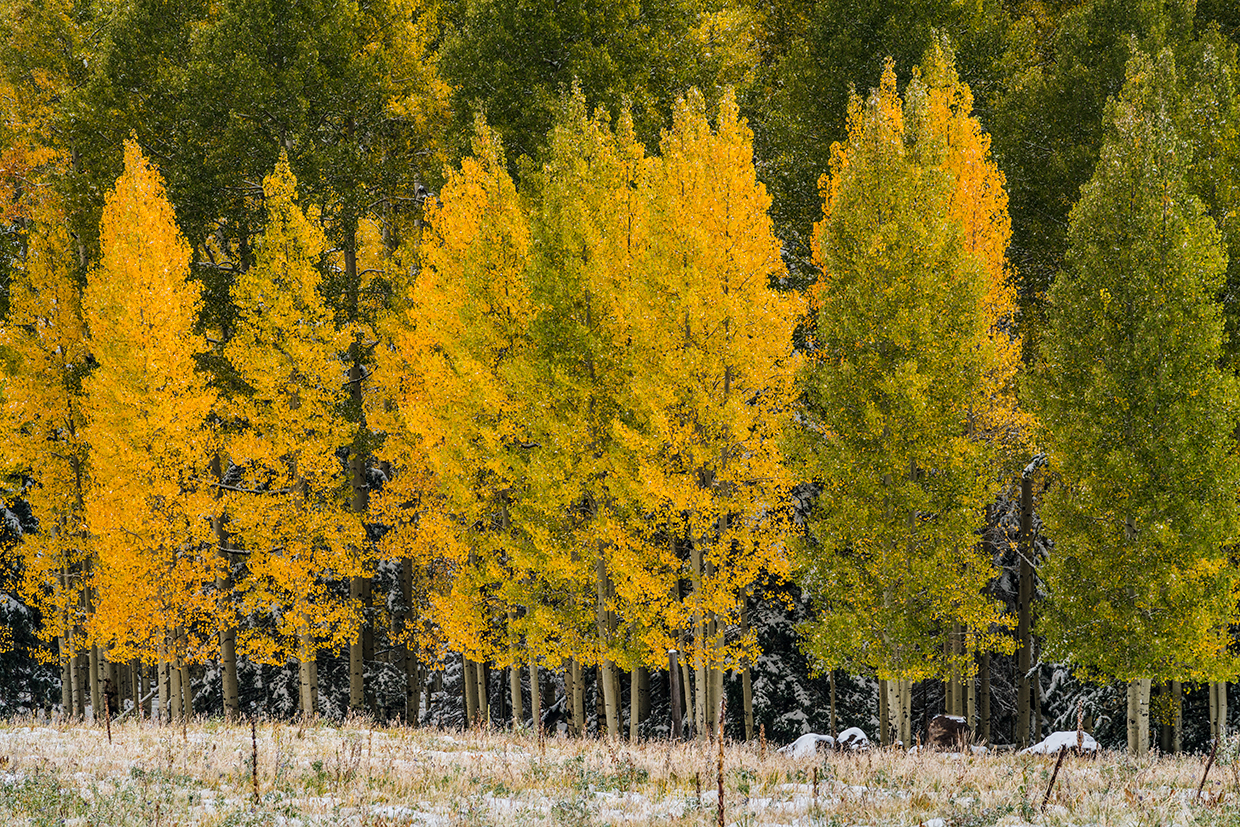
{"x": 674, "y": 694}
{"x": 135, "y": 680}
{"x": 359, "y": 587}
{"x": 1177, "y": 719}
{"x": 634, "y": 706}
{"x": 579, "y": 700}
{"x": 835, "y": 721}
{"x": 471, "y": 692}
{"x": 1037, "y": 703}
{"x": 227, "y": 632}
{"x": 686, "y": 688}
{"x": 1218, "y": 709}
{"x": 970, "y": 698}
{"x": 309, "y": 705}
{"x": 1024, "y": 643}
{"x": 535, "y": 696}
{"x": 514, "y": 686}
{"x": 96, "y": 711}
{"x": 174, "y": 687}
{"x": 66, "y": 677}
{"x": 1139, "y": 717}
{"x": 81, "y": 682}
{"x": 984, "y": 702}
{"x": 611, "y": 700}
{"x": 408, "y": 658}
{"x": 357, "y": 696}
{"x": 699, "y": 648}
{"x": 187, "y": 686}
{"x": 884, "y": 721}
{"x": 162, "y": 676}
{"x": 483, "y": 695}
{"x": 643, "y": 694}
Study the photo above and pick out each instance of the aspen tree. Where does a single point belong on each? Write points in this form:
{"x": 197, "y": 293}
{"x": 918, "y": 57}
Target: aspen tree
{"x": 151, "y": 505}
{"x": 44, "y": 415}
{"x": 978, "y": 200}
{"x": 713, "y": 341}
{"x": 585, "y": 536}
{"x": 290, "y": 507}
{"x": 899, "y": 358}
{"x": 1138, "y": 416}
{"x": 458, "y": 332}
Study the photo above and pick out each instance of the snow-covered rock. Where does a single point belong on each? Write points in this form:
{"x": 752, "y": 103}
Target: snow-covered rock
{"x": 948, "y": 732}
{"x": 808, "y": 745}
{"x": 1052, "y": 743}
{"x": 853, "y": 738}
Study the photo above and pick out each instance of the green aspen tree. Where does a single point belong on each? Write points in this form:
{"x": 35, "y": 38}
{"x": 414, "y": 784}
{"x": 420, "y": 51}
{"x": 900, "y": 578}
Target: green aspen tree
{"x": 1139, "y": 419}
{"x": 898, "y": 365}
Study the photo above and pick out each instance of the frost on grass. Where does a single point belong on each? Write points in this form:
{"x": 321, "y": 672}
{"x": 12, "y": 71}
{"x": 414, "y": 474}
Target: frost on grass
{"x": 322, "y": 774}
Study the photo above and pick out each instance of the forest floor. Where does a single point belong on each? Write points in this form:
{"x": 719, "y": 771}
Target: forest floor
{"x": 354, "y": 774}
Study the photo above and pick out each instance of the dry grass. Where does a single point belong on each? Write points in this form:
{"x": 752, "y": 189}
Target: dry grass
{"x": 355, "y": 774}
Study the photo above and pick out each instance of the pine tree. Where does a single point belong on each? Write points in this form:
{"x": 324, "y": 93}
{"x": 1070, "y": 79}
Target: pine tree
{"x": 1138, "y": 416}
{"x": 290, "y": 506}
{"x": 898, "y": 362}
{"x": 150, "y": 442}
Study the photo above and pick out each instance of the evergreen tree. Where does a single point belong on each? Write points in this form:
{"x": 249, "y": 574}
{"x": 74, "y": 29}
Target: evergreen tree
{"x": 1138, "y": 416}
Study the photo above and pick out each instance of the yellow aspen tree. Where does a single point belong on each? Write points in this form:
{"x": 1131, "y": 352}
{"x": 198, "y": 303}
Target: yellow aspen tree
{"x": 979, "y": 202}
{"x": 152, "y": 502}
{"x": 713, "y": 342}
{"x": 898, "y": 362}
{"x": 44, "y": 415}
{"x": 290, "y": 506}
{"x": 454, "y": 339}
{"x": 582, "y": 528}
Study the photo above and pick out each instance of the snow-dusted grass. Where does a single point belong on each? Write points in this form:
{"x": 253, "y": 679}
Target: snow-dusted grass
{"x": 324, "y": 774}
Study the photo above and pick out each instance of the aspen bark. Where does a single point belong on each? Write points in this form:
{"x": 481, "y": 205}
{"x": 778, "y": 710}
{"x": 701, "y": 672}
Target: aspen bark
{"x": 96, "y": 712}
{"x": 483, "y": 695}
{"x": 1139, "y": 716}
{"x": 699, "y": 649}
{"x": 471, "y": 691}
{"x": 66, "y": 677}
{"x": 514, "y": 687}
{"x": 535, "y": 696}
{"x": 1177, "y": 720}
{"x": 303, "y": 671}
{"x": 606, "y": 669}
{"x": 187, "y": 687}
{"x": 174, "y": 688}
{"x": 984, "y": 701}
{"x": 634, "y": 706}
{"x": 162, "y": 677}
{"x": 674, "y": 694}
{"x": 884, "y": 722}
{"x": 643, "y": 694}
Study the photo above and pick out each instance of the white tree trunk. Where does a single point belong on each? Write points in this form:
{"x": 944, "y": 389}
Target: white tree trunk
{"x": 1139, "y": 716}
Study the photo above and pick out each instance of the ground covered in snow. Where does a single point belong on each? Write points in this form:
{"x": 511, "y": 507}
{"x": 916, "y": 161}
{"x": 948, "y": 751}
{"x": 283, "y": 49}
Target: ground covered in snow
{"x": 323, "y": 774}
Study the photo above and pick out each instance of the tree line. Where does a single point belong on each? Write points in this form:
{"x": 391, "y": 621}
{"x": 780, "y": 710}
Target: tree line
{"x": 264, "y": 348}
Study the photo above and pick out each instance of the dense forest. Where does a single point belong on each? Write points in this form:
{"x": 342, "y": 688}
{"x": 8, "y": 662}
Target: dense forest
{"x": 588, "y": 365}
